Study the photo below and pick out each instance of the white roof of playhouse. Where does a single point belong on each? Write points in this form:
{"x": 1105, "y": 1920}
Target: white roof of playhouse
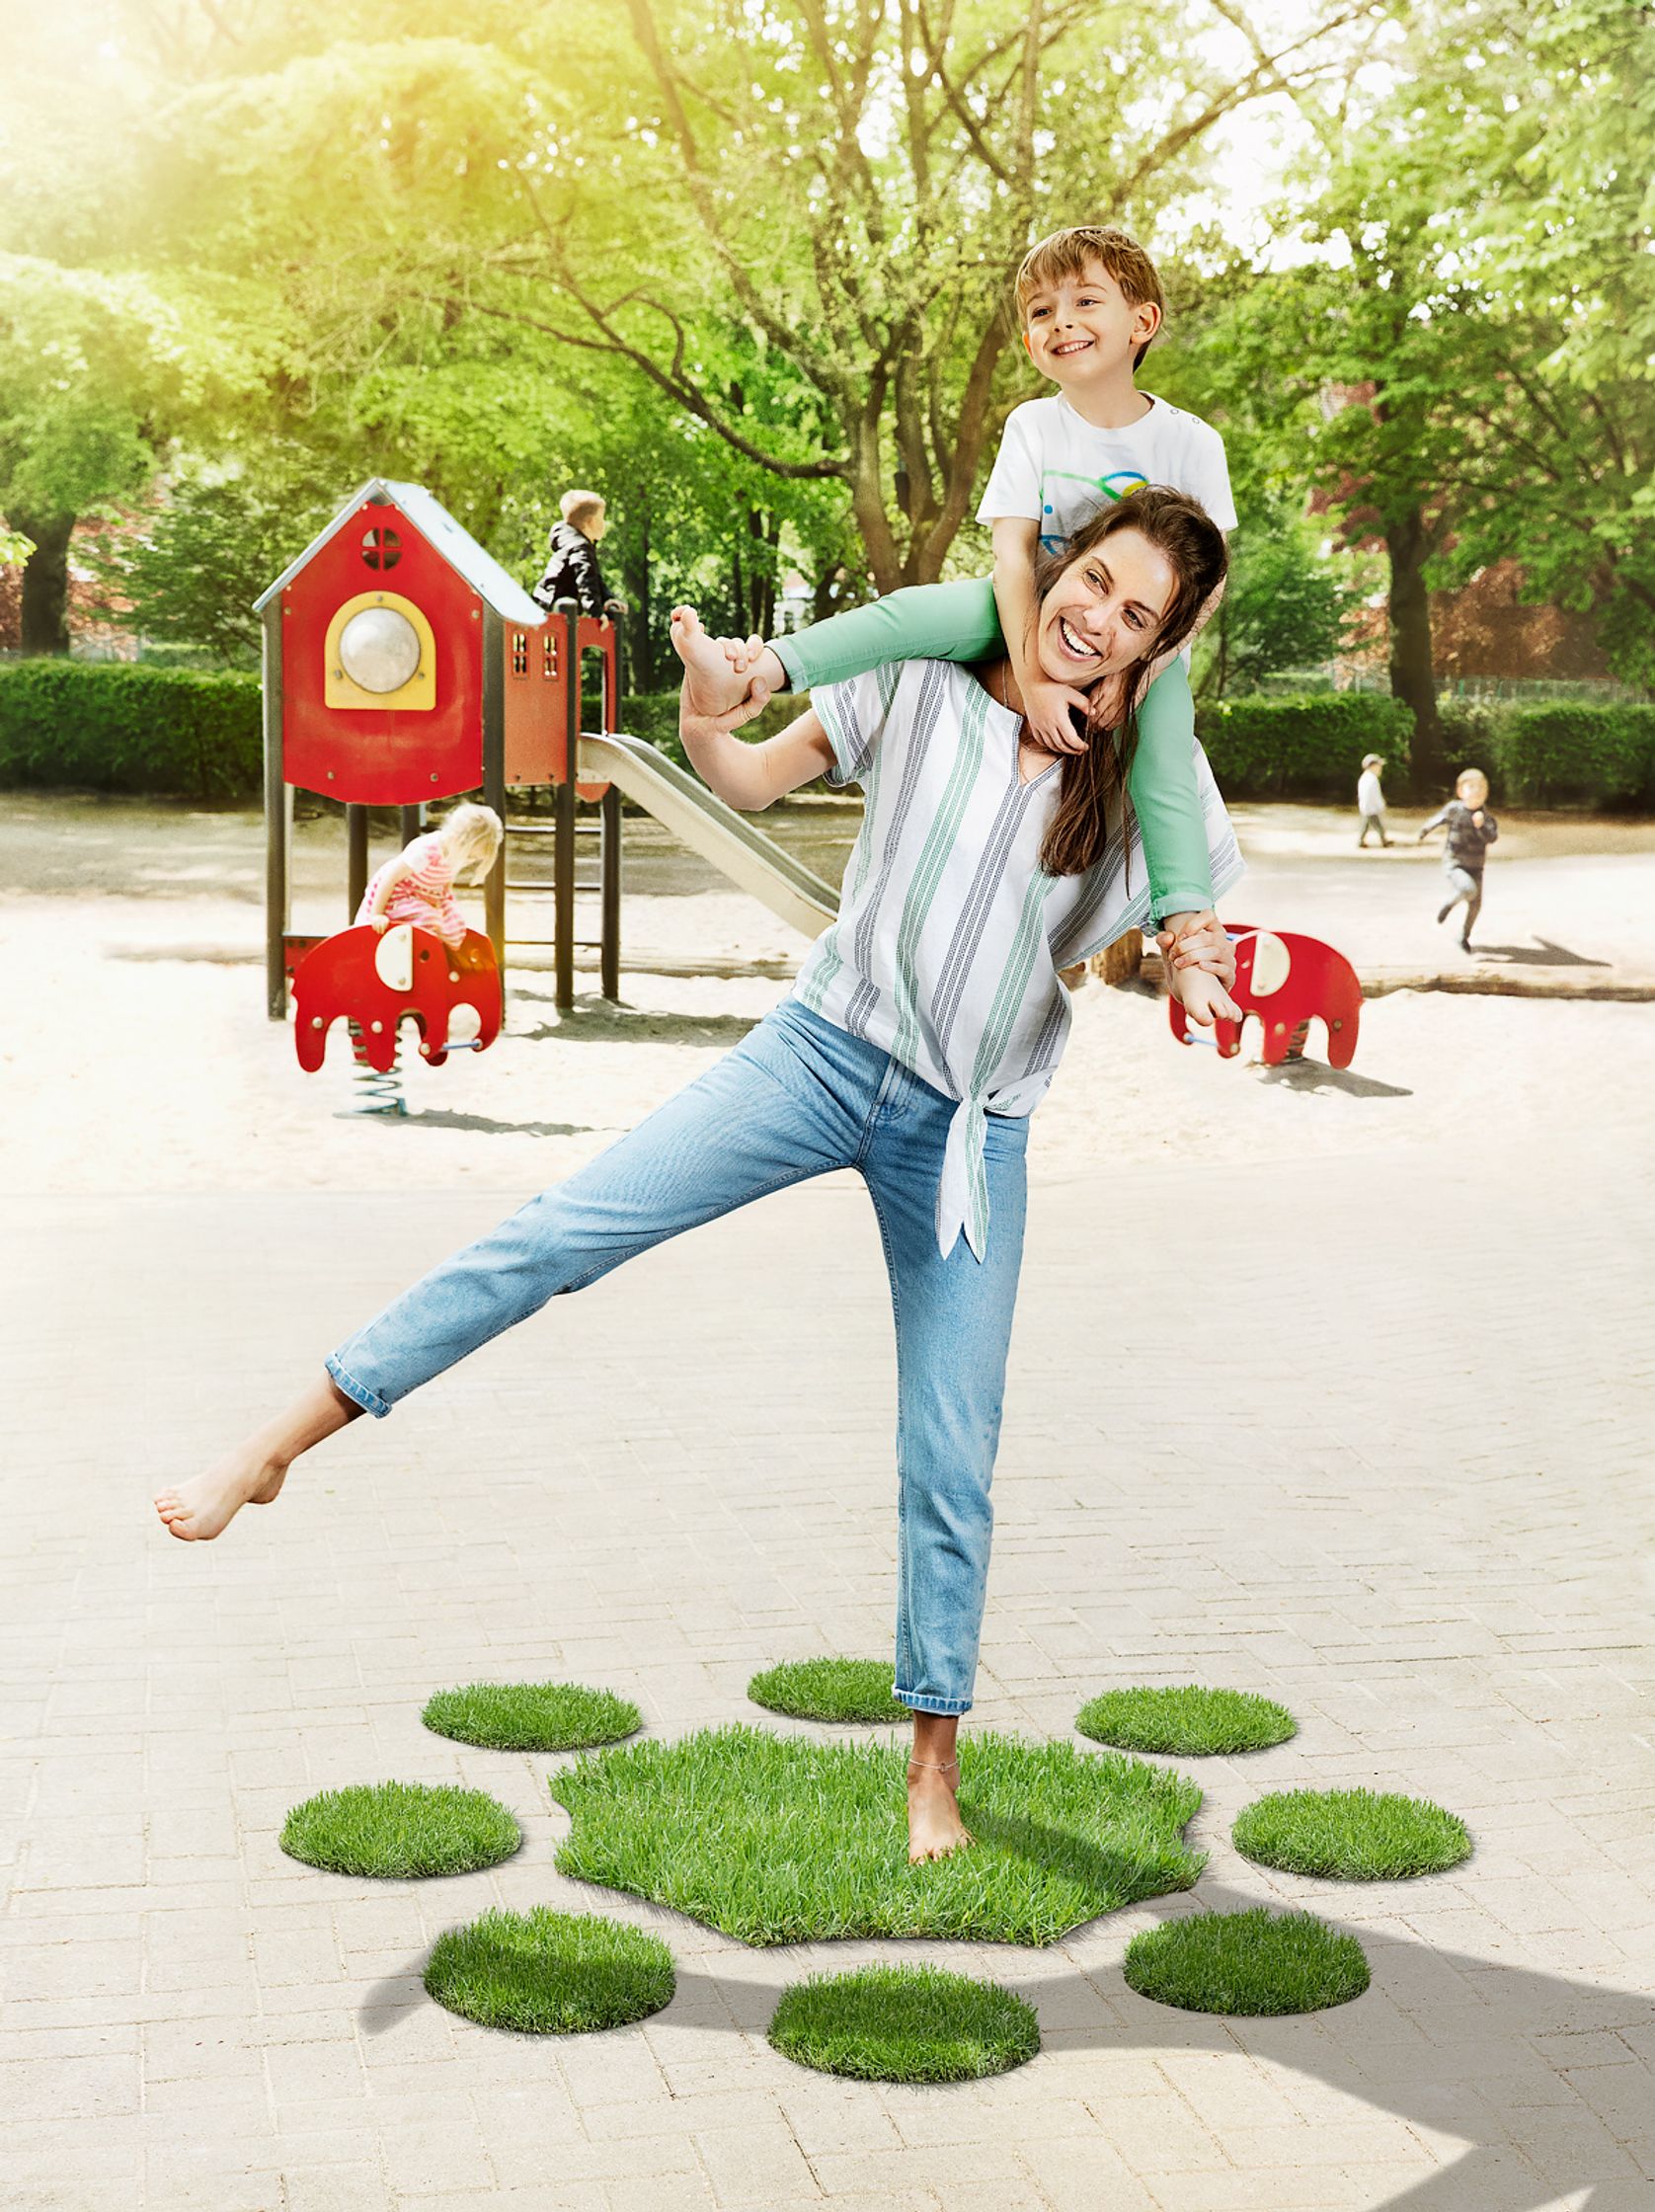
{"x": 438, "y": 526}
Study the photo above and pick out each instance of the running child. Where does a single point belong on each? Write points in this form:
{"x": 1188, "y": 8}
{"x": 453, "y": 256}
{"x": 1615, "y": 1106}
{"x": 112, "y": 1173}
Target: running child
{"x": 923, "y": 1029}
{"x": 1472, "y": 830}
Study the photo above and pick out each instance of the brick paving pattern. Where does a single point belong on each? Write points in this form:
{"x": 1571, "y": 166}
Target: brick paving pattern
{"x": 1367, "y": 1435}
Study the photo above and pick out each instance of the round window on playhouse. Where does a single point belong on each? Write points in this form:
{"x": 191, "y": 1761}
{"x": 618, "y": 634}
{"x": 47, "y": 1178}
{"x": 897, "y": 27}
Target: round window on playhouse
{"x": 380, "y": 652}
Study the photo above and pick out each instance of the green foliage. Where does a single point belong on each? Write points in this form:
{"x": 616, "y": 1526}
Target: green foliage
{"x": 400, "y": 1831}
{"x": 1285, "y": 604}
{"x": 532, "y": 1715}
{"x": 113, "y": 727}
{"x": 546, "y": 1973}
{"x": 786, "y": 1840}
{"x": 852, "y": 1690}
{"x": 1190, "y": 1723}
{"x": 1302, "y": 748}
{"x": 1254, "y": 1963}
{"x": 193, "y": 575}
{"x": 903, "y": 2024}
{"x": 1564, "y": 754}
{"x": 1351, "y": 1835}
{"x": 653, "y": 716}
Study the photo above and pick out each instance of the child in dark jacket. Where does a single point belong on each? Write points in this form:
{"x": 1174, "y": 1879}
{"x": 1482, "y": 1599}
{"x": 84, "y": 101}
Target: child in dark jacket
{"x": 572, "y": 570}
{"x": 1472, "y": 830}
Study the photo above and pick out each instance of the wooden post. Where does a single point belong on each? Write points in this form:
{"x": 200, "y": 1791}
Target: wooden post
{"x": 357, "y": 868}
{"x": 494, "y": 777}
{"x": 1122, "y": 961}
{"x": 562, "y": 815}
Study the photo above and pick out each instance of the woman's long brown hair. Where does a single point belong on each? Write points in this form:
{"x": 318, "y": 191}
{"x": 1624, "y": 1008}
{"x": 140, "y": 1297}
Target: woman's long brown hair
{"x": 1092, "y": 790}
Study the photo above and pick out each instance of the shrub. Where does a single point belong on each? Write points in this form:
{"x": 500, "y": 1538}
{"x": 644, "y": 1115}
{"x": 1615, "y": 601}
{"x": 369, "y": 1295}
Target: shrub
{"x": 1302, "y": 749}
{"x": 108, "y": 726}
{"x": 1570, "y": 753}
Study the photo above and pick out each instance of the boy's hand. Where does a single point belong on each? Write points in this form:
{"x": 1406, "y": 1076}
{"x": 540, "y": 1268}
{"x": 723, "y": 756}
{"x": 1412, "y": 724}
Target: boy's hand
{"x": 1203, "y": 999}
{"x": 1198, "y": 941}
{"x": 1046, "y": 710}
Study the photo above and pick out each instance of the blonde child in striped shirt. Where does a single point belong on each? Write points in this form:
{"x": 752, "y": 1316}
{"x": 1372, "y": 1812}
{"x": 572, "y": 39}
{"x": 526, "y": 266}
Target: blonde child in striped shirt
{"x": 418, "y": 886}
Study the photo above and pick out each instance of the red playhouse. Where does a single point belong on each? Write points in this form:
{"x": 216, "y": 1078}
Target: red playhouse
{"x": 402, "y": 664}
{"x": 1287, "y": 982}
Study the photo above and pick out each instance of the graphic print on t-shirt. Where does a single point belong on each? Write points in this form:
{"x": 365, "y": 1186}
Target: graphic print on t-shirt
{"x": 1116, "y": 485}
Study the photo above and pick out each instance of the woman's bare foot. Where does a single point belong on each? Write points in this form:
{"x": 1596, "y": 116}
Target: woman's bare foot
{"x": 934, "y": 1826}
{"x": 200, "y": 1510}
{"x": 719, "y": 673}
{"x": 255, "y": 1472}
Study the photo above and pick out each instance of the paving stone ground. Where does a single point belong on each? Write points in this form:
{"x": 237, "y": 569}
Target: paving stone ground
{"x": 1364, "y": 1430}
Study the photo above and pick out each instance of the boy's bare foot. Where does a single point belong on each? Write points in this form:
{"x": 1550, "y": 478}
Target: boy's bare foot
{"x": 713, "y": 685}
{"x": 934, "y": 1826}
{"x": 200, "y": 1510}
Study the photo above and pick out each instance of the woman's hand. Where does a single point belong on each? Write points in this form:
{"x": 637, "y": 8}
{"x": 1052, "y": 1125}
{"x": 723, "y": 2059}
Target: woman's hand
{"x": 1197, "y": 940}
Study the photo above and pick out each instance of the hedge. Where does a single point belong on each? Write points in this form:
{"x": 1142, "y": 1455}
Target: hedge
{"x": 111, "y": 726}
{"x": 108, "y": 726}
{"x": 1302, "y": 749}
{"x": 1563, "y": 754}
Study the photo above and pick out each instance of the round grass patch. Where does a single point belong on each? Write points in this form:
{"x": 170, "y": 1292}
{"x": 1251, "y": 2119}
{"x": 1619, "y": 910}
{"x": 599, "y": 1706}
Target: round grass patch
{"x": 532, "y": 1715}
{"x": 1190, "y": 1723}
{"x": 1351, "y": 1835}
{"x": 792, "y": 1839}
{"x": 546, "y": 1973}
{"x": 1255, "y": 1962}
{"x": 856, "y": 1689}
{"x": 395, "y": 1829}
{"x": 903, "y": 2024}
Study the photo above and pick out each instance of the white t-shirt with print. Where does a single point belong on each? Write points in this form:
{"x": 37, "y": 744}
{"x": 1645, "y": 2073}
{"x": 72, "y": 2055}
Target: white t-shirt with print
{"x": 1057, "y": 469}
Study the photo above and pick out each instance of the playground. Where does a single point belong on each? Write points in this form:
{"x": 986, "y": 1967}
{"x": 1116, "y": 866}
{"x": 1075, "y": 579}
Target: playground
{"x": 1407, "y": 1512}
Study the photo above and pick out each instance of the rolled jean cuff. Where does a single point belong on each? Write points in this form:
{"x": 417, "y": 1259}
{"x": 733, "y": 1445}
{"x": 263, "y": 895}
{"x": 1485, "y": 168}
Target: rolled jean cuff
{"x": 949, "y": 1707}
{"x": 1188, "y": 898}
{"x": 357, "y": 1392}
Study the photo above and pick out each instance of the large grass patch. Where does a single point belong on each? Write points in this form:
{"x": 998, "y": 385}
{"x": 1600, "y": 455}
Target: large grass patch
{"x": 532, "y": 1715}
{"x": 397, "y": 1830}
{"x": 850, "y": 1689}
{"x": 546, "y": 1973}
{"x": 1351, "y": 1835}
{"x": 781, "y": 1840}
{"x": 903, "y": 2024}
{"x": 1189, "y": 1722}
{"x": 1255, "y": 1962}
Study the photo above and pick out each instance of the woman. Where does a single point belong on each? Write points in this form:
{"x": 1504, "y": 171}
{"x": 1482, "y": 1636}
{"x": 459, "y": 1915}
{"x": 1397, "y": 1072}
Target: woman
{"x": 925, "y": 1026}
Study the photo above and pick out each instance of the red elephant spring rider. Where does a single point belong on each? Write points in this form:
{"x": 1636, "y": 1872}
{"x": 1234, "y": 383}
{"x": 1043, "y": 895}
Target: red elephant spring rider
{"x": 450, "y": 992}
{"x": 1287, "y": 982}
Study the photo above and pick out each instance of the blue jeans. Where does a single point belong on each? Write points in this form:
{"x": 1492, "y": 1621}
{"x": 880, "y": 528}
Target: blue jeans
{"x": 796, "y": 1098}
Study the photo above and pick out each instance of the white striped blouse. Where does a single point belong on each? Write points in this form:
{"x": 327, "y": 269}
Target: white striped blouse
{"x": 950, "y": 934}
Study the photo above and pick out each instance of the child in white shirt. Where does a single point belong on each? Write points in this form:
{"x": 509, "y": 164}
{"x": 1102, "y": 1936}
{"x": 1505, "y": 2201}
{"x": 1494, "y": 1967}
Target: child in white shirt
{"x": 1369, "y": 800}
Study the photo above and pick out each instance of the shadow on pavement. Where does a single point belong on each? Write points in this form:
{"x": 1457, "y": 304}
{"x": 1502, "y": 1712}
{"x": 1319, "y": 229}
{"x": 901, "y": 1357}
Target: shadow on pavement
{"x": 1451, "y": 2043}
{"x": 605, "y": 1025}
{"x": 1542, "y": 953}
{"x": 446, "y": 1118}
{"x": 1314, "y": 1075}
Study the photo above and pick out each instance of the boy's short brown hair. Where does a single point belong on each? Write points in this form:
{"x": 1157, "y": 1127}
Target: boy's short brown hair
{"x": 1065, "y": 253}
{"x": 578, "y": 508}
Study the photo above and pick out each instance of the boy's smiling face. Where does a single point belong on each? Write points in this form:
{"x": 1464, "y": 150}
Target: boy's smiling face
{"x": 1083, "y": 328}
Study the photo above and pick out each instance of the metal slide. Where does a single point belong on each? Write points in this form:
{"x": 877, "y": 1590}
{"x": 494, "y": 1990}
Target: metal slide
{"x": 754, "y": 862}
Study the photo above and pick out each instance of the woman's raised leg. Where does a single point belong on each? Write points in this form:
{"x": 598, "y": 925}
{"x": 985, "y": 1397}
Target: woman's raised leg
{"x": 772, "y": 1112}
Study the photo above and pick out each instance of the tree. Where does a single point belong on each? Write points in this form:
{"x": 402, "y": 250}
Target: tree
{"x": 1286, "y": 605}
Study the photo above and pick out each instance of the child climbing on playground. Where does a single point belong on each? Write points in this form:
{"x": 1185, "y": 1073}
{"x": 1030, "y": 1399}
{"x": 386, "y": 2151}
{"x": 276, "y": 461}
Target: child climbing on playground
{"x": 417, "y": 885}
{"x": 923, "y": 1029}
{"x": 1090, "y": 302}
{"x": 1472, "y": 830}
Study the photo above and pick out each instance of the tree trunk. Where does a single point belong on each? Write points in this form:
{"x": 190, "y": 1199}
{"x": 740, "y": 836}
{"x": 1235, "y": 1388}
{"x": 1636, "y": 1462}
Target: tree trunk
{"x": 45, "y": 583}
{"x": 635, "y": 574}
{"x": 1413, "y": 679}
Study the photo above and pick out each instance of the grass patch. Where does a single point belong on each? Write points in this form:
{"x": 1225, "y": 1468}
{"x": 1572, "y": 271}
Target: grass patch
{"x": 1255, "y": 1962}
{"x": 830, "y": 1689}
{"x": 1190, "y": 1723}
{"x": 1351, "y": 1835}
{"x": 785, "y": 1840}
{"x": 546, "y": 1973}
{"x": 903, "y": 2024}
{"x": 394, "y": 1830}
{"x": 532, "y": 1715}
